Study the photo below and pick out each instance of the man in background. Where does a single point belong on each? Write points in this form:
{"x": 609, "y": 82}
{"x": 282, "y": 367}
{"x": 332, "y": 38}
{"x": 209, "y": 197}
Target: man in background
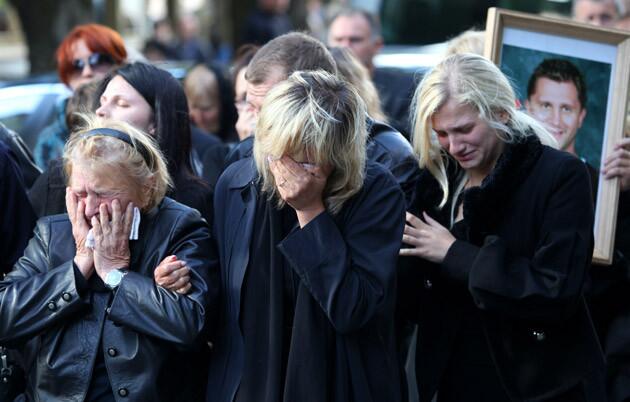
{"x": 597, "y": 12}
{"x": 360, "y": 31}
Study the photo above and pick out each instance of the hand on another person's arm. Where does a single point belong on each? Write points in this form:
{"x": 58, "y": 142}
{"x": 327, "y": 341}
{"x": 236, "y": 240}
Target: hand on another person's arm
{"x": 173, "y": 274}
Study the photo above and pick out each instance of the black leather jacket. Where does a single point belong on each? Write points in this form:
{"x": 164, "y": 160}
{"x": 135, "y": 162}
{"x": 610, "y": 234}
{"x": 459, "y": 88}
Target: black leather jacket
{"x": 58, "y": 321}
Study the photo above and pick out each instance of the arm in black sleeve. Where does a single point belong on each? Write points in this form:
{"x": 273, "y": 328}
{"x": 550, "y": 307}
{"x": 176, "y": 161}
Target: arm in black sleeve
{"x": 350, "y": 268}
{"x": 546, "y": 286}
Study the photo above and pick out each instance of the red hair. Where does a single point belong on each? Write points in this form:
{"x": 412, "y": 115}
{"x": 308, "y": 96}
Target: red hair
{"x": 98, "y": 38}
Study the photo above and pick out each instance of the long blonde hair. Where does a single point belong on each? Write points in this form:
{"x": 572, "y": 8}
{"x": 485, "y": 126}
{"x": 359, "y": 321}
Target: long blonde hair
{"x": 474, "y": 81}
{"x": 145, "y": 169}
{"x": 314, "y": 113}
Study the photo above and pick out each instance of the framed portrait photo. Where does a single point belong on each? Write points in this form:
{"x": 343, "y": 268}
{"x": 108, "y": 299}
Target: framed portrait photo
{"x": 573, "y": 78}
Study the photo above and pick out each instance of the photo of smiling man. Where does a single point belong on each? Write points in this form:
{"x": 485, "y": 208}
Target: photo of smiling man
{"x": 556, "y": 96}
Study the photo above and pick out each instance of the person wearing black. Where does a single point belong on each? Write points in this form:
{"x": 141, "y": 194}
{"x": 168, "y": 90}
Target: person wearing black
{"x": 18, "y": 218}
{"x": 557, "y": 97}
{"x": 82, "y": 307}
{"x": 500, "y": 242}
{"x": 307, "y": 238}
{"x": 268, "y": 21}
{"x": 152, "y": 100}
{"x": 360, "y": 31}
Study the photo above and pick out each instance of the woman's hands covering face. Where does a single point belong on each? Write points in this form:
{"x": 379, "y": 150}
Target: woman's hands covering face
{"x": 84, "y": 257}
{"x": 111, "y": 237}
{"x": 301, "y": 186}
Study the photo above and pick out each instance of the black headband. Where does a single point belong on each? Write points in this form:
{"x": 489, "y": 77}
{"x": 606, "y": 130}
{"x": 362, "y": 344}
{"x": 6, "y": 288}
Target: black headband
{"x": 110, "y": 132}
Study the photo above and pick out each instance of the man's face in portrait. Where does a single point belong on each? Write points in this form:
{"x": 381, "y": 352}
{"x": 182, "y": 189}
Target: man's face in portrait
{"x": 557, "y": 106}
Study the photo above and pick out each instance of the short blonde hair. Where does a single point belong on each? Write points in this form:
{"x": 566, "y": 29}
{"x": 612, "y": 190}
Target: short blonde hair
{"x": 474, "y": 81}
{"x": 351, "y": 69}
{"x": 469, "y": 41}
{"x": 143, "y": 162}
{"x": 317, "y": 114}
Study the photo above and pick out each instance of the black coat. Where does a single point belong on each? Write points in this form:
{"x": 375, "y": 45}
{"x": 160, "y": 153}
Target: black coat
{"x": 387, "y": 146}
{"x": 58, "y": 321}
{"x": 522, "y": 265}
{"x": 23, "y": 155}
{"x": 347, "y": 263}
{"x": 609, "y": 301}
{"x": 17, "y": 218}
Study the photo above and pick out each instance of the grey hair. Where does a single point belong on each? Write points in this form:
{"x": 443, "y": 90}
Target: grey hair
{"x": 101, "y": 152}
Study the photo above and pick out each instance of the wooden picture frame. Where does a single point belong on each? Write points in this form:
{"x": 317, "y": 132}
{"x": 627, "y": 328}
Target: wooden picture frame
{"x": 517, "y": 42}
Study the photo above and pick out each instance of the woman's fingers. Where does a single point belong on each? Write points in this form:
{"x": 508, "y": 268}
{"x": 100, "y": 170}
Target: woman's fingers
{"x": 116, "y": 223}
{"x": 185, "y": 289}
{"x": 414, "y": 220}
{"x": 103, "y": 216}
{"x": 171, "y": 273}
{"x": 179, "y": 281}
{"x": 128, "y": 221}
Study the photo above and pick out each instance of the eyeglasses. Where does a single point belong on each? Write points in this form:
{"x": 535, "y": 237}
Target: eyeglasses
{"x": 96, "y": 61}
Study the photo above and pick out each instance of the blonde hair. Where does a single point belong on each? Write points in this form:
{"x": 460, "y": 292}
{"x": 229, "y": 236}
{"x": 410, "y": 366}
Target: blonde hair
{"x": 351, "y": 69}
{"x": 474, "y": 81}
{"x": 142, "y": 162}
{"x": 469, "y": 41}
{"x": 201, "y": 84}
{"x": 316, "y": 114}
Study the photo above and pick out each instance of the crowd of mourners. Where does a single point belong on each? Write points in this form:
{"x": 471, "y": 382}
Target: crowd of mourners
{"x": 311, "y": 227}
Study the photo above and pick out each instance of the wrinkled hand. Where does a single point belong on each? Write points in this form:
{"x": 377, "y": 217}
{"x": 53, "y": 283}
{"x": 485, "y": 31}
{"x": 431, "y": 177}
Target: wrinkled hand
{"x": 301, "y": 187}
{"x": 430, "y": 240}
{"x": 246, "y": 122}
{"x": 83, "y": 257}
{"x": 111, "y": 238}
{"x": 617, "y": 164}
{"x": 173, "y": 274}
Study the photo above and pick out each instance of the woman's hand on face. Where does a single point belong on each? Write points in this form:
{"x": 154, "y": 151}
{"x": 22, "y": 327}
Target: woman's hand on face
{"x": 173, "y": 274}
{"x": 302, "y": 187}
{"x": 83, "y": 257}
{"x": 430, "y": 240}
{"x": 111, "y": 238}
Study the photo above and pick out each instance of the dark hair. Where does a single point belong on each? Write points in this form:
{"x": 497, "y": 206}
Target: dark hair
{"x": 82, "y": 101}
{"x": 244, "y": 55}
{"x": 559, "y": 70}
{"x": 294, "y": 51}
{"x": 372, "y": 19}
{"x": 167, "y": 99}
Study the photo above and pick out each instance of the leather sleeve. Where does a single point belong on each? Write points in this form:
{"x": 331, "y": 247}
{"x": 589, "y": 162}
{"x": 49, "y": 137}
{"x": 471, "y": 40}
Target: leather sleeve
{"x": 35, "y": 296}
{"x": 548, "y": 286}
{"x": 350, "y": 267}
{"x": 143, "y": 306}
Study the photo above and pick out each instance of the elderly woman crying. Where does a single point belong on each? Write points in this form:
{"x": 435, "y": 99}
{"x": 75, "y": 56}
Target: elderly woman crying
{"x": 83, "y": 298}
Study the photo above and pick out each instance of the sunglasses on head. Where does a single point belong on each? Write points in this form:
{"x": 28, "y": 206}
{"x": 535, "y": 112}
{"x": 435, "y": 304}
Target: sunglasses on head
{"x": 95, "y": 61}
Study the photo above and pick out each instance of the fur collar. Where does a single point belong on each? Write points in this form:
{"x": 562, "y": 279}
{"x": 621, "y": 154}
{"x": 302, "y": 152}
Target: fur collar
{"x": 484, "y": 205}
